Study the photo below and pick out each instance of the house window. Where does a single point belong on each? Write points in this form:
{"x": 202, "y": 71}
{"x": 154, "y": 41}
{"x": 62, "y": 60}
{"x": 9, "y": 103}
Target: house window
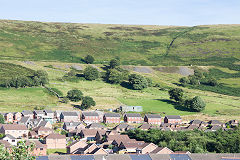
{"x": 13, "y": 140}
{"x": 41, "y": 149}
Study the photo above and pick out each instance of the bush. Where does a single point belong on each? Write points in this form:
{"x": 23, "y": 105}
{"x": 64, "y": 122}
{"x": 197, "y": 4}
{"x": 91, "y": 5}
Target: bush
{"x": 2, "y": 119}
{"x": 91, "y": 73}
{"x": 137, "y": 82}
{"x": 87, "y": 102}
{"x": 197, "y": 104}
{"x": 74, "y": 95}
{"x": 89, "y": 59}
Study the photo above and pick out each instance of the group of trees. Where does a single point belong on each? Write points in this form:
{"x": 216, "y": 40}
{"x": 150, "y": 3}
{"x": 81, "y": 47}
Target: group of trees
{"x": 198, "y": 78}
{"x": 116, "y": 75}
{"x": 19, "y": 152}
{"x": 76, "y": 95}
{"x": 195, "y": 141}
{"x": 39, "y": 77}
{"x": 196, "y": 104}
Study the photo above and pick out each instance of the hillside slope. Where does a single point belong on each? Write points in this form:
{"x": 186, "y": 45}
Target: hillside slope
{"x": 144, "y": 45}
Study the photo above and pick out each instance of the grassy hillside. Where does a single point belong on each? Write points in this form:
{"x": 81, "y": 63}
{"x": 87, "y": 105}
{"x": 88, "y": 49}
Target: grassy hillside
{"x": 144, "y": 45}
{"x": 112, "y": 96}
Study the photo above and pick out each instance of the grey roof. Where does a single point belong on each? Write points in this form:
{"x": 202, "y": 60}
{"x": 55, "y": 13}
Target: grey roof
{"x": 215, "y": 122}
{"x": 72, "y": 123}
{"x": 113, "y": 157}
{"x": 96, "y": 125}
{"x": 69, "y": 113}
{"x": 90, "y": 113}
{"x": 160, "y": 156}
{"x": 24, "y": 120}
{"x": 140, "y": 157}
{"x": 180, "y": 157}
{"x": 122, "y": 125}
{"x": 38, "y": 112}
{"x": 214, "y": 156}
{"x": 10, "y": 136}
{"x": 153, "y": 116}
{"x": 196, "y": 122}
{"x": 27, "y": 112}
{"x": 173, "y": 117}
{"x": 133, "y": 115}
{"x": 48, "y": 111}
{"x": 43, "y": 123}
{"x": 112, "y": 115}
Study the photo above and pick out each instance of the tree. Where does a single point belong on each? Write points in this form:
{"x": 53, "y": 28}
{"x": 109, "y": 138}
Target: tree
{"x": 176, "y": 94}
{"x": 91, "y": 73}
{"x": 89, "y": 59}
{"x": 74, "y": 95}
{"x": 197, "y": 104}
{"x": 42, "y": 77}
{"x": 87, "y": 102}
{"x": 184, "y": 81}
{"x": 137, "y": 82}
{"x": 114, "y": 76}
{"x": 2, "y": 120}
{"x": 114, "y": 63}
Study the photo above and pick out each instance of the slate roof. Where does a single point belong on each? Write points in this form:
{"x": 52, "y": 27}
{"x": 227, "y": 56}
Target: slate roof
{"x": 90, "y": 114}
{"x": 10, "y": 136}
{"x": 160, "y": 156}
{"x": 196, "y": 122}
{"x": 133, "y": 115}
{"x": 113, "y": 157}
{"x": 112, "y": 115}
{"x": 144, "y": 126}
{"x": 140, "y": 157}
{"x": 173, "y": 117}
{"x": 48, "y": 111}
{"x": 39, "y": 112}
{"x": 24, "y": 120}
{"x": 27, "y": 112}
{"x": 152, "y": 115}
{"x": 122, "y": 125}
{"x": 96, "y": 125}
{"x": 215, "y": 122}
{"x": 69, "y": 114}
{"x": 72, "y": 123}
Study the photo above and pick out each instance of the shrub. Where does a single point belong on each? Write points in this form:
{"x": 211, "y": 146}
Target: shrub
{"x": 89, "y": 59}
{"x": 91, "y": 73}
{"x": 197, "y": 104}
